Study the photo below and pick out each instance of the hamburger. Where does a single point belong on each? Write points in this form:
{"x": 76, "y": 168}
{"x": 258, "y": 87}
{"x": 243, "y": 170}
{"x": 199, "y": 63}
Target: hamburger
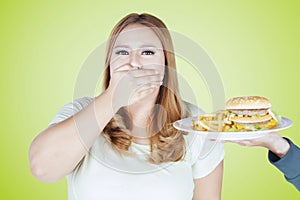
{"x": 249, "y": 113}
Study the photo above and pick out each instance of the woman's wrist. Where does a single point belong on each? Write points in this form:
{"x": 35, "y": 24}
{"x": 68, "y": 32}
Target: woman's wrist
{"x": 115, "y": 103}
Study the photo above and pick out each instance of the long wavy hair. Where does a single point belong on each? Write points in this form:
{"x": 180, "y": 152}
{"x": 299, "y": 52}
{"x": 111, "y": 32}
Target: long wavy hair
{"x": 168, "y": 144}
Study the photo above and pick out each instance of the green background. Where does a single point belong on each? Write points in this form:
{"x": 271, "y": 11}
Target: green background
{"x": 254, "y": 44}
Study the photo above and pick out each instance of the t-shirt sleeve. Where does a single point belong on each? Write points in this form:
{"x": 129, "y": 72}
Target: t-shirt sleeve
{"x": 193, "y": 109}
{"x": 206, "y": 154}
{"x": 70, "y": 109}
{"x": 207, "y": 159}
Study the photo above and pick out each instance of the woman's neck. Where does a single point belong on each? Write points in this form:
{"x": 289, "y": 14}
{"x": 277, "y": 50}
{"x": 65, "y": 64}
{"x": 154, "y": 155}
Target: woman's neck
{"x": 140, "y": 114}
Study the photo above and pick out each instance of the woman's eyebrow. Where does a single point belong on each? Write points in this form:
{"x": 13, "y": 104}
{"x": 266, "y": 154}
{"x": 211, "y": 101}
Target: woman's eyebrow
{"x": 148, "y": 45}
{"x": 121, "y": 46}
{"x": 142, "y": 46}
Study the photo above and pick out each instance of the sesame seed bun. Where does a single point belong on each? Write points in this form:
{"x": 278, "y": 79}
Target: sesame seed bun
{"x": 248, "y": 102}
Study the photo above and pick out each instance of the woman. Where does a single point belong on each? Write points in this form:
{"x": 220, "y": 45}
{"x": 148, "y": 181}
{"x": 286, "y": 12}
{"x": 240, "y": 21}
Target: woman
{"x": 121, "y": 144}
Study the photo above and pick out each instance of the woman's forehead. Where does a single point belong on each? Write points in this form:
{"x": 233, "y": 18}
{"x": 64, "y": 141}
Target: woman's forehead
{"x": 136, "y": 35}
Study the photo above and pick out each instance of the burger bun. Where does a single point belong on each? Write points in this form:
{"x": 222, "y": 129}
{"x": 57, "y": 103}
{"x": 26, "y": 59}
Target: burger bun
{"x": 248, "y": 102}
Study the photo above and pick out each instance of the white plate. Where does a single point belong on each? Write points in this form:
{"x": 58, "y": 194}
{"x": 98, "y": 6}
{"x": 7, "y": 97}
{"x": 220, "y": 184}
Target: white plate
{"x": 186, "y": 125}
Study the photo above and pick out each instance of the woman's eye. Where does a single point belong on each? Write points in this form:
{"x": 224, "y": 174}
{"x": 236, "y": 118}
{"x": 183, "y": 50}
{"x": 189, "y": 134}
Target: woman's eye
{"x": 122, "y": 52}
{"x": 148, "y": 52}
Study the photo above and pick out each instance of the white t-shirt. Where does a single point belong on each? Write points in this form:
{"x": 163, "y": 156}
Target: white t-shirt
{"x": 104, "y": 174}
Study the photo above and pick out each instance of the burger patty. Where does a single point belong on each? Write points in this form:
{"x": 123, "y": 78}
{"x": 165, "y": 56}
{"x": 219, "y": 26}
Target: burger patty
{"x": 250, "y": 112}
{"x": 250, "y": 119}
{"x": 256, "y": 123}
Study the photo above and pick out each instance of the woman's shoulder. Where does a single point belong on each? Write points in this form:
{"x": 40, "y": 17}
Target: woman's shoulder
{"x": 82, "y": 102}
{"x": 199, "y": 146}
{"x": 193, "y": 109}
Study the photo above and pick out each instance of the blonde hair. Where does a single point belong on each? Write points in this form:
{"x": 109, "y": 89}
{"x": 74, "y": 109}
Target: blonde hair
{"x": 168, "y": 145}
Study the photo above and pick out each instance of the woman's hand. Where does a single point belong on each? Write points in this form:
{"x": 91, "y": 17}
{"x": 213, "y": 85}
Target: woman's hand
{"x": 272, "y": 141}
{"x": 127, "y": 86}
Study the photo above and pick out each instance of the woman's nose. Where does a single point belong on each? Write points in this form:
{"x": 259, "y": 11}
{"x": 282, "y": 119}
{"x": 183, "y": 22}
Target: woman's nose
{"x": 135, "y": 60}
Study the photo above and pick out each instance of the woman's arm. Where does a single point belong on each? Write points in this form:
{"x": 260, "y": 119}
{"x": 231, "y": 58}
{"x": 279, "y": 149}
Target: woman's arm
{"x": 210, "y": 186}
{"x": 57, "y": 150}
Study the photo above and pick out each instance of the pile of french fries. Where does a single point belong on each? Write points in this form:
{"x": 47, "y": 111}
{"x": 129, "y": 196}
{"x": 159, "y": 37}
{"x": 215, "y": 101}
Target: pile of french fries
{"x": 214, "y": 122}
